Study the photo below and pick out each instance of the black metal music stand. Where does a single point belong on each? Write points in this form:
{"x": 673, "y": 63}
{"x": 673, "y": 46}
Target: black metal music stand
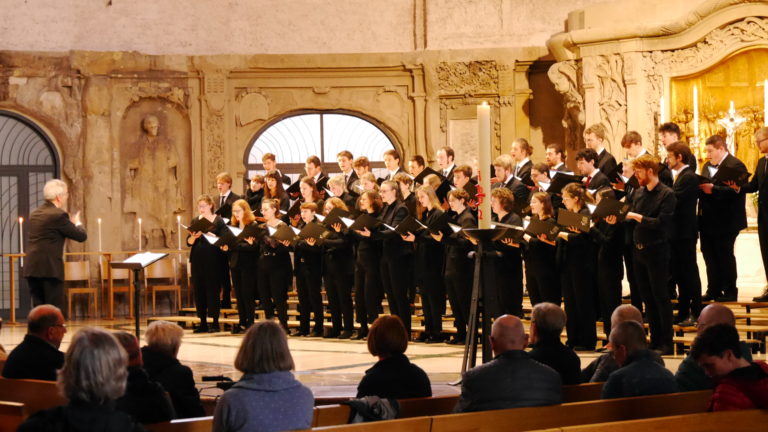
{"x": 137, "y": 263}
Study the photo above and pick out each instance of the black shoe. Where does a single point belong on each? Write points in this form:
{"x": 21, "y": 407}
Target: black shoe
{"x": 762, "y": 297}
{"x": 422, "y": 338}
{"x": 237, "y": 329}
{"x": 200, "y": 329}
{"x": 726, "y": 298}
{"x": 331, "y": 334}
{"x": 215, "y": 328}
{"x": 361, "y": 335}
{"x": 435, "y": 340}
{"x": 346, "y": 334}
{"x": 583, "y": 348}
{"x": 316, "y": 333}
{"x": 457, "y": 340}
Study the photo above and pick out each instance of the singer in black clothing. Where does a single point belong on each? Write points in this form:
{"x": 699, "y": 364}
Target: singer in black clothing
{"x": 459, "y": 266}
{"x": 254, "y": 193}
{"x": 610, "y": 271}
{"x": 429, "y": 266}
{"x": 367, "y": 267}
{"x": 308, "y": 266}
{"x": 759, "y": 184}
{"x": 273, "y": 189}
{"x": 396, "y": 254}
{"x": 576, "y": 256}
{"x": 275, "y": 262}
{"x": 509, "y": 266}
{"x": 339, "y": 274}
{"x": 208, "y": 266}
{"x": 541, "y": 278}
{"x": 243, "y": 263}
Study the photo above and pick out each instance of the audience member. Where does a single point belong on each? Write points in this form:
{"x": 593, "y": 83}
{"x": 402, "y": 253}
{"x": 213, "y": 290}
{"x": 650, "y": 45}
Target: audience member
{"x": 38, "y": 355}
{"x": 3, "y": 353}
{"x": 393, "y": 376}
{"x": 144, "y": 399}
{"x": 690, "y": 376}
{"x": 601, "y": 367}
{"x": 160, "y": 362}
{"x": 547, "y": 323}
{"x": 741, "y": 384}
{"x": 512, "y": 379}
{"x": 267, "y": 397}
{"x": 639, "y": 373}
{"x": 93, "y": 376}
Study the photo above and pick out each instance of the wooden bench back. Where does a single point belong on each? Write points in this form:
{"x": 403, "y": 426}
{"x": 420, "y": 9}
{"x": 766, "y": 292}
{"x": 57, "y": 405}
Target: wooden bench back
{"x": 199, "y": 424}
{"x": 731, "y": 421}
{"x": 582, "y": 392}
{"x": 579, "y": 413}
{"x": 415, "y": 424}
{"x": 329, "y": 415}
{"x": 428, "y": 406}
{"x": 36, "y": 395}
{"x": 12, "y": 414}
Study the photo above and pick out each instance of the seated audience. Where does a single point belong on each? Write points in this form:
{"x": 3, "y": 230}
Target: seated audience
{"x": 3, "y": 353}
{"x": 547, "y": 323}
{"x": 741, "y": 384}
{"x": 690, "y": 376}
{"x": 512, "y": 379}
{"x": 144, "y": 399}
{"x": 159, "y": 355}
{"x": 267, "y": 397}
{"x": 92, "y": 377}
{"x": 38, "y": 355}
{"x": 601, "y": 367}
{"x": 393, "y": 376}
{"x": 639, "y": 373}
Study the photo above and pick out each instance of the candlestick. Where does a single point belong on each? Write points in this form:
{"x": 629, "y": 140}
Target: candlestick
{"x": 139, "y": 233}
{"x": 484, "y": 153}
{"x": 21, "y": 240}
{"x": 99, "y": 221}
{"x": 695, "y": 114}
{"x": 178, "y": 229}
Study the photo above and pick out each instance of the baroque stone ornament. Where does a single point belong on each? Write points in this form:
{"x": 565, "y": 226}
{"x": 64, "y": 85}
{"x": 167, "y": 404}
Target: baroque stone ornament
{"x": 465, "y": 78}
{"x": 565, "y": 77}
{"x": 609, "y": 74}
{"x": 166, "y": 91}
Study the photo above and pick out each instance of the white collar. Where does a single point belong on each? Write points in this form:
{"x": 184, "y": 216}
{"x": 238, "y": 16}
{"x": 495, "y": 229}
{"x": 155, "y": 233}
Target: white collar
{"x": 676, "y": 172}
{"x": 510, "y": 177}
{"x": 594, "y": 173}
{"x": 523, "y": 162}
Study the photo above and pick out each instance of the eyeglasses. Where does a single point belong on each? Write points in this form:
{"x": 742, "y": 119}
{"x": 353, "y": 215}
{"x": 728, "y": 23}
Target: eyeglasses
{"x": 59, "y": 325}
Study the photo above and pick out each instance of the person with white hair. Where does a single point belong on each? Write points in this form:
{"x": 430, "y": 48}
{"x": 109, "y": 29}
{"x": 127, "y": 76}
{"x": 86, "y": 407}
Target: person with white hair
{"x": 163, "y": 342}
{"x": 93, "y": 377}
{"x": 48, "y": 227}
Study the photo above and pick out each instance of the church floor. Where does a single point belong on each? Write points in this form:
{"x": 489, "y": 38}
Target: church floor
{"x": 332, "y": 368}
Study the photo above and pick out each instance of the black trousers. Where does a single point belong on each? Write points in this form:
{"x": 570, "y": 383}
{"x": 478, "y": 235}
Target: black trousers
{"x": 634, "y": 290}
{"x": 396, "y": 276}
{"x": 309, "y": 284}
{"x": 509, "y": 282}
{"x": 762, "y": 235}
{"x": 685, "y": 272}
{"x": 244, "y": 279}
{"x": 367, "y": 287}
{"x": 459, "y": 274}
{"x": 47, "y": 291}
{"x": 207, "y": 289}
{"x": 578, "y": 285}
{"x": 542, "y": 281}
{"x": 652, "y": 271}
{"x": 717, "y": 249}
{"x": 226, "y": 291}
{"x": 609, "y": 275}
{"x": 433, "y": 303}
{"x": 274, "y": 281}
{"x": 338, "y": 288}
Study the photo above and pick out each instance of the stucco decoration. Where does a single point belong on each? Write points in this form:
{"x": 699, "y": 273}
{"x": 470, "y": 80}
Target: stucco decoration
{"x": 253, "y": 105}
{"x": 565, "y": 76}
{"x": 468, "y": 78}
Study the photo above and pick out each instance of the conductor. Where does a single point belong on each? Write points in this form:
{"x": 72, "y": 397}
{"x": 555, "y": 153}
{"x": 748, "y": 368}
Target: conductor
{"x": 49, "y": 226}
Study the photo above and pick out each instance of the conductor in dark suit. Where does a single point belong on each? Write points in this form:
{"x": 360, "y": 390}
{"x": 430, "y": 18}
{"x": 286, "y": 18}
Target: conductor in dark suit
{"x": 226, "y": 196}
{"x": 721, "y": 216}
{"x": 49, "y": 225}
{"x": 759, "y": 183}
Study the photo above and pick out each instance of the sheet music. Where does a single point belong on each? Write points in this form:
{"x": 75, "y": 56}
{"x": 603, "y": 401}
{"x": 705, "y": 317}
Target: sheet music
{"x": 320, "y": 217}
{"x": 296, "y": 230}
{"x": 211, "y": 238}
{"x": 144, "y": 258}
{"x": 454, "y": 227}
{"x": 544, "y": 185}
{"x": 271, "y": 230}
{"x": 347, "y": 221}
{"x": 388, "y": 227}
{"x": 591, "y": 207}
{"x": 235, "y": 230}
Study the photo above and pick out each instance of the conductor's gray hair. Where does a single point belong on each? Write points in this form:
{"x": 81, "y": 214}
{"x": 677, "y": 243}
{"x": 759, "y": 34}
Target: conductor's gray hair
{"x": 95, "y": 367}
{"x": 53, "y": 189}
{"x": 165, "y": 337}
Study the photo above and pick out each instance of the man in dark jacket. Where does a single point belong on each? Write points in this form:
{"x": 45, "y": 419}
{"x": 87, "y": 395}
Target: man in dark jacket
{"x": 640, "y": 374}
{"x": 38, "y": 356}
{"x": 759, "y": 184}
{"x": 512, "y": 379}
{"x": 49, "y": 226}
{"x": 547, "y": 323}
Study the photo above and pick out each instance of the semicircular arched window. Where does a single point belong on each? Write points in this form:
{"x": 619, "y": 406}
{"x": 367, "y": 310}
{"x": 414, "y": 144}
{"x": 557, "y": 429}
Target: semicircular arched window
{"x": 324, "y": 134}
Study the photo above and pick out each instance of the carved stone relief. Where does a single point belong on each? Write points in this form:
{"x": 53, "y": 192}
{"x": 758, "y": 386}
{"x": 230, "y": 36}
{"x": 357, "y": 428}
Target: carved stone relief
{"x": 253, "y": 105}
{"x": 566, "y": 76}
{"x": 214, "y": 134}
{"x": 466, "y": 78}
{"x": 609, "y": 73}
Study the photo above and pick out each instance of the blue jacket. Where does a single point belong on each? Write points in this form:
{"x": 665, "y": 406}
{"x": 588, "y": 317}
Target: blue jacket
{"x": 641, "y": 375}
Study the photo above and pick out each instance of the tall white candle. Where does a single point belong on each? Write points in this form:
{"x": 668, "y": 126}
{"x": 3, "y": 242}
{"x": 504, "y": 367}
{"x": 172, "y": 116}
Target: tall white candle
{"x": 765, "y": 102}
{"x": 695, "y": 113}
{"x": 484, "y": 159}
{"x": 731, "y": 108}
{"x": 662, "y": 111}
{"x": 21, "y": 239}
{"x": 99, "y": 221}
{"x": 139, "y": 233}
{"x": 178, "y": 229}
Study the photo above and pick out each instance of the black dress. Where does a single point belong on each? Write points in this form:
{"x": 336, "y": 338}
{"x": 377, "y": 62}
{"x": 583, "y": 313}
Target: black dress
{"x": 459, "y": 270}
{"x": 396, "y": 262}
{"x": 368, "y": 291}
{"x": 308, "y": 268}
{"x": 429, "y": 275}
{"x": 209, "y": 269}
{"x": 243, "y": 263}
{"x": 509, "y": 275}
{"x": 541, "y": 270}
{"x": 275, "y": 278}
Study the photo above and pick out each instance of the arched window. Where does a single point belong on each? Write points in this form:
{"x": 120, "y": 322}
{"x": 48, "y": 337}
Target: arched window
{"x": 27, "y": 161}
{"x": 294, "y": 138}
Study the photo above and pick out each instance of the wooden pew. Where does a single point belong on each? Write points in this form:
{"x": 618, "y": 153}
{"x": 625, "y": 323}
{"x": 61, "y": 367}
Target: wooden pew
{"x": 428, "y": 406}
{"x": 582, "y": 392}
{"x": 36, "y": 395}
{"x": 199, "y": 424}
{"x": 731, "y": 421}
{"x": 12, "y": 414}
{"x": 415, "y": 424}
{"x": 578, "y": 413}
{"x": 329, "y": 415}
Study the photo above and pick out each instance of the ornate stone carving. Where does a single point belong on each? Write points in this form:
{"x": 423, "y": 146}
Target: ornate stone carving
{"x": 152, "y": 89}
{"x": 612, "y": 91}
{"x": 450, "y": 104}
{"x": 214, "y": 149}
{"x": 253, "y": 105}
{"x": 565, "y": 77}
{"x": 465, "y": 78}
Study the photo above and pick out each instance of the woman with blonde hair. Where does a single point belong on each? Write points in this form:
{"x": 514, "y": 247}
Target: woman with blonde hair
{"x": 267, "y": 397}
{"x": 93, "y": 377}
{"x": 243, "y": 263}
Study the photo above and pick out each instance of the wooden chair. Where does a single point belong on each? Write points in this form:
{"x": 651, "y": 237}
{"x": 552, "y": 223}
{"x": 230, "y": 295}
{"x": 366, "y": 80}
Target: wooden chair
{"x": 164, "y": 270}
{"x": 199, "y": 424}
{"x": 731, "y": 421}
{"x": 118, "y": 282}
{"x": 12, "y": 414}
{"x": 79, "y": 273}
{"x": 36, "y": 395}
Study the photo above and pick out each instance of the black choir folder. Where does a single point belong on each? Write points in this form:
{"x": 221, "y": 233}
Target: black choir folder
{"x": 282, "y": 233}
{"x": 560, "y": 181}
{"x": 610, "y": 207}
{"x": 725, "y": 174}
{"x": 334, "y": 217}
{"x": 567, "y": 218}
{"x": 511, "y": 232}
{"x": 200, "y": 224}
{"x": 410, "y": 225}
{"x": 537, "y": 227}
{"x": 362, "y": 222}
{"x": 313, "y": 230}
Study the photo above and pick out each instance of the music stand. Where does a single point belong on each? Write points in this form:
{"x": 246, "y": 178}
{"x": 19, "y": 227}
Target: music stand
{"x": 484, "y": 278}
{"x": 137, "y": 263}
